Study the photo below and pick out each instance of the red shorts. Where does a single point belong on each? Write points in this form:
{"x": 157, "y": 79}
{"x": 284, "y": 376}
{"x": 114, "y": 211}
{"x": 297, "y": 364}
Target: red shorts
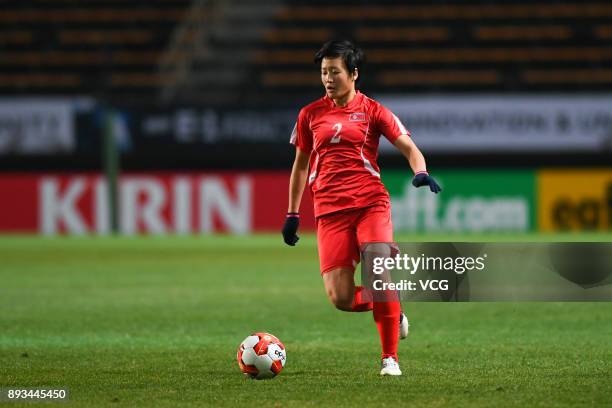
{"x": 340, "y": 235}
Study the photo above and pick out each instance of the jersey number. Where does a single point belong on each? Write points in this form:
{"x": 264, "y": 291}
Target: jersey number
{"x": 337, "y": 127}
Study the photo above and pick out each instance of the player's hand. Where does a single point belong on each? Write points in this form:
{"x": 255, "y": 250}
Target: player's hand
{"x": 424, "y": 179}
{"x": 292, "y": 222}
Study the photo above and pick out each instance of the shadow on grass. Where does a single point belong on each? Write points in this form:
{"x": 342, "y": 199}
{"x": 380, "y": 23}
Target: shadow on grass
{"x": 293, "y": 374}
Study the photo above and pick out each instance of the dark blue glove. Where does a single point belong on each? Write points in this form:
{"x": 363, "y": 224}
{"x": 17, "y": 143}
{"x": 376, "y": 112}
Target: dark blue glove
{"x": 292, "y": 222}
{"x": 422, "y": 178}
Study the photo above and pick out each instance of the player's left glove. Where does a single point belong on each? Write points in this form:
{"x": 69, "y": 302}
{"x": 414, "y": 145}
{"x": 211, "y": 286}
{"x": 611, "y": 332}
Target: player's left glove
{"x": 422, "y": 178}
{"x": 292, "y": 222}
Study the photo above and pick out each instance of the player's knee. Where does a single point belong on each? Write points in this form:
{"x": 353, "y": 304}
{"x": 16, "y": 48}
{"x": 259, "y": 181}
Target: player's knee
{"x": 382, "y": 249}
{"x": 342, "y": 301}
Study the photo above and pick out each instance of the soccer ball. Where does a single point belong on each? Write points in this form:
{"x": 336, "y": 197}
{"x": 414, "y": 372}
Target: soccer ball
{"x": 261, "y": 355}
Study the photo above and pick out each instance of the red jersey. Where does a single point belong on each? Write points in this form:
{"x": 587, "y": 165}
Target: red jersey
{"x": 343, "y": 142}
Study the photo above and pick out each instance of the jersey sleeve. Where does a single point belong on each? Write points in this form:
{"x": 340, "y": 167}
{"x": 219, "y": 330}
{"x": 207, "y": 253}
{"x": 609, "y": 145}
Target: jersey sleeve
{"x": 390, "y": 125}
{"x": 302, "y": 135}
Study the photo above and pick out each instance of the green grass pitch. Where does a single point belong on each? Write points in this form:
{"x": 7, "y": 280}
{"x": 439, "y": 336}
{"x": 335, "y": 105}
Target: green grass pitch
{"x": 156, "y": 322}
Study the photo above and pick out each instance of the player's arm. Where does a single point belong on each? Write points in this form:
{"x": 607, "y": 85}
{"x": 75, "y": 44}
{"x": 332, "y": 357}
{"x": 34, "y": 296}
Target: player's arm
{"x": 297, "y": 182}
{"x": 389, "y": 125}
{"x": 414, "y": 156}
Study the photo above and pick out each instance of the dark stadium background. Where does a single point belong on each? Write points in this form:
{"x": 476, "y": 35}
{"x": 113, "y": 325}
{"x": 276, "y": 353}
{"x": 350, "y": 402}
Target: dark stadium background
{"x": 206, "y": 86}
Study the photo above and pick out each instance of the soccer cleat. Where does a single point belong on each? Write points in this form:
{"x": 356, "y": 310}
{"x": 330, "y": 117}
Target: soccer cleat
{"x": 403, "y": 326}
{"x": 390, "y": 366}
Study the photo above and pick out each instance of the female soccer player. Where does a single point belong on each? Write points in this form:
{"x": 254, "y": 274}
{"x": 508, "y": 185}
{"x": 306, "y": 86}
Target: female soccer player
{"x": 336, "y": 139}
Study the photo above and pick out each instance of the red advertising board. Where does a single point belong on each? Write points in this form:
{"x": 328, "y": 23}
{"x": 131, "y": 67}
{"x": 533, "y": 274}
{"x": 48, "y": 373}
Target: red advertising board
{"x": 152, "y": 203}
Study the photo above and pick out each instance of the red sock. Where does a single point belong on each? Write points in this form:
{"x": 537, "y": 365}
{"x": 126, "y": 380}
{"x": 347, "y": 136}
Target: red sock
{"x": 386, "y": 316}
{"x": 361, "y": 300}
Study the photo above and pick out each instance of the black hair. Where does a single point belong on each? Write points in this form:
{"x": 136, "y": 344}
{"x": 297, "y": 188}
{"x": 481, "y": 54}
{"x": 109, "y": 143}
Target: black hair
{"x": 352, "y": 56}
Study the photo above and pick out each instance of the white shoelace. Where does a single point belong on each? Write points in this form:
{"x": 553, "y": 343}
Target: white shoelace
{"x": 389, "y": 362}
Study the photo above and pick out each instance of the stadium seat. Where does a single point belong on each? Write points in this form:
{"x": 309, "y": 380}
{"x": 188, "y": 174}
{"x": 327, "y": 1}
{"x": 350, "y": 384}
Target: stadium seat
{"x": 220, "y": 52}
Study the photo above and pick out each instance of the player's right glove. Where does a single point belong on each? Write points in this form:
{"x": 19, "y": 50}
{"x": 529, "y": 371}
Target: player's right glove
{"x": 292, "y": 222}
{"x": 422, "y": 178}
